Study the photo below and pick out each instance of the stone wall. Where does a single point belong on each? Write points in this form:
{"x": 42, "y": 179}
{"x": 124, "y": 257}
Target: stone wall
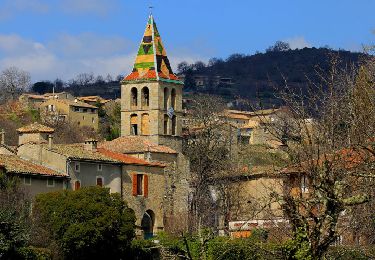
{"x": 156, "y": 192}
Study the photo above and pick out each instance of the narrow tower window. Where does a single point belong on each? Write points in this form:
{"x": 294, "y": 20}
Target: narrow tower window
{"x": 166, "y": 96}
{"x": 173, "y": 98}
{"x": 145, "y": 120}
{"x": 166, "y": 118}
{"x": 134, "y": 97}
{"x": 145, "y": 97}
{"x": 134, "y": 124}
{"x": 174, "y": 124}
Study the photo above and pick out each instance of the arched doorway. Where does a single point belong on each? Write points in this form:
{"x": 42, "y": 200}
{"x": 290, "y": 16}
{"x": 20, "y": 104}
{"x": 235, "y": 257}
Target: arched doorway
{"x": 147, "y": 224}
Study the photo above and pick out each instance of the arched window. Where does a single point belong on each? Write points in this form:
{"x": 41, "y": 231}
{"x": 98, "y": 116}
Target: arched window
{"x": 145, "y": 97}
{"x": 174, "y": 125}
{"x": 134, "y": 124}
{"x": 134, "y": 97}
{"x": 166, "y": 118}
{"x": 166, "y": 97}
{"x": 173, "y": 98}
{"x": 77, "y": 185}
{"x": 145, "y": 120}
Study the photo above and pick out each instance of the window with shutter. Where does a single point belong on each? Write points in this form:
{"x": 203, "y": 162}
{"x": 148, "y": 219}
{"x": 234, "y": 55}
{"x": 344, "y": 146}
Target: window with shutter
{"x": 77, "y": 185}
{"x": 139, "y": 184}
{"x": 145, "y": 192}
{"x": 134, "y": 191}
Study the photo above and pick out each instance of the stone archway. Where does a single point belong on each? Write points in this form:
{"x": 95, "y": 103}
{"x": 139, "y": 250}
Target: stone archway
{"x": 147, "y": 224}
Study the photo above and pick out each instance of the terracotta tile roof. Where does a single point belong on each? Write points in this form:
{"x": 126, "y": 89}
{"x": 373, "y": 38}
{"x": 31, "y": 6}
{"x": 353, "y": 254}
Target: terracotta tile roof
{"x": 127, "y": 159}
{"x": 134, "y": 144}
{"x": 78, "y": 152}
{"x": 12, "y": 149}
{"x": 237, "y": 116}
{"x": 34, "y": 96}
{"x": 15, "y": 164}
{"x": 93, "y": 99}
{"x": 35, "y": 128}
{"x": 344, "y": 159}
{"x": 73, "y": 103}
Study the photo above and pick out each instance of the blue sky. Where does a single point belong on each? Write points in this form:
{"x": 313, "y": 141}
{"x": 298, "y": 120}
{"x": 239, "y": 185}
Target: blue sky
{"x": 62, "y": 38}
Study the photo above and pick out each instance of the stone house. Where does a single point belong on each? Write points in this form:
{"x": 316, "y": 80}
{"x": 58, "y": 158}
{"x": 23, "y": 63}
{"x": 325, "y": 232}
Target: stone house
{"x": 73, "y": 111}
{"x": 141, "y": 183}
{"x": 35, "y": 100}
{"x": 34, "y": 178}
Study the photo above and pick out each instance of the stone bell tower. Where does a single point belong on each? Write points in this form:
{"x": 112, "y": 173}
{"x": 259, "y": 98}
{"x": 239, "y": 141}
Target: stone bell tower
{"x": 151, "y": 95}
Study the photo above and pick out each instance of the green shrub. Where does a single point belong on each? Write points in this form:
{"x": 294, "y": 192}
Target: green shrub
{"x": 144, "y": 249}
{"x": 33, "y": 253}
{"x": 346, "y": 253}
{"x": 89, "y": 223}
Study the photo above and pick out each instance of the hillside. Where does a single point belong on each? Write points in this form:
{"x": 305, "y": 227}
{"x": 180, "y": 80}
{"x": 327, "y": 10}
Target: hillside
{"x": 252, "y": 75}
{"x": 258, "y": 75}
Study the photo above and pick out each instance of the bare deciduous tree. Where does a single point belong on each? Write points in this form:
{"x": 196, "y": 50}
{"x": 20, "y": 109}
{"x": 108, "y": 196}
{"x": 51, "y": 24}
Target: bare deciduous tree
{"x": 329, "y": 137}
{"x": 209, "y": 149}
{"x": 13, "y": 81}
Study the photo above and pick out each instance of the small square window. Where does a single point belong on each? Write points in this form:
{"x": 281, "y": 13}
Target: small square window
{"x": 100, "y": 167}
{"x": 76, "y": 109}
{"x": 77, "y": 167}
{"x": 99, "y": 181}
{"x": 50, "y": 183}
{"x": 84, "y": 110}
{"x": 27, "y": 180}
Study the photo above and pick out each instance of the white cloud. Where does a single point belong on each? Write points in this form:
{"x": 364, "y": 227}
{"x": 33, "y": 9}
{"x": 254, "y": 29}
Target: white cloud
{"x": 68, "y": 55}
{"x": 75, "y": 54}
{"x": 298, "y": 42}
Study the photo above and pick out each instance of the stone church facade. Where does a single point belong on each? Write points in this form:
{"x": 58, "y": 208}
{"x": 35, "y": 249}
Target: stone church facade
{"x": 151, "y": 129}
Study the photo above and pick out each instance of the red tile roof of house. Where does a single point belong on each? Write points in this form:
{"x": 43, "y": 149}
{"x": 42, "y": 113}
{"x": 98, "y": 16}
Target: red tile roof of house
{"x": 127, "y": 159}
{"x": 343, "y": 159}
{"x": 35, "y": 128}
{"x": 134, "y": 144}
{"x": 15, "y": 164}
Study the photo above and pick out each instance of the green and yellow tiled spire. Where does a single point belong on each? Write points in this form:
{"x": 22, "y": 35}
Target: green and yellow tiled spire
{"x": 152, "y": 62}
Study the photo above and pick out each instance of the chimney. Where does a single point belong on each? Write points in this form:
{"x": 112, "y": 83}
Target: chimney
{"x": 50, "y": 141}
{"x": 2, "y": 137}
{"x": 91, "y": 145}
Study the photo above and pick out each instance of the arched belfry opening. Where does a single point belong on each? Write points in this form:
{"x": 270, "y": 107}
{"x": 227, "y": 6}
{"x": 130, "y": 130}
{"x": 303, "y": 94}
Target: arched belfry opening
{"x": 173, "y": 98}
{"x": 134, "y": 97}
{"x": 134, "y": 124}
{"x": 145, "y": 97}
{"x": 166, "y": 97}
{"x": 147, "y": 224}
{"x": 174, "y": 125}
{"x": 145, "y": 120}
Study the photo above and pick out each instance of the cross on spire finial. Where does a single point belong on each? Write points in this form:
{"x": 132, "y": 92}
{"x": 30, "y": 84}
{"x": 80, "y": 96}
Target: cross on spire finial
{"x": 151, "y": 8}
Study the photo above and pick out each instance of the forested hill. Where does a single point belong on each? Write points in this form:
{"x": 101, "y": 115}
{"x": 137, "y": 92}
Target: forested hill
{"x": 253, "y": 76}
{"x": 256, "y": 75}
